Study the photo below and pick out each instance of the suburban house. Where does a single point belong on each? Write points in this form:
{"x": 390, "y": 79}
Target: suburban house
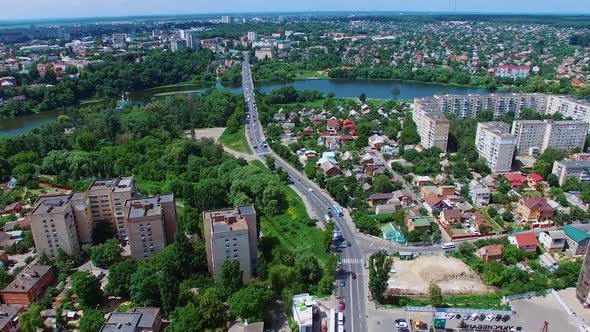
{"x": 420, "y": 180}
{"x": 419, "y": 223}
{"x": 404, "y": 196}
{"x": 553, "y": 240}
{"x": 479, "y": 194}
{"x": 434, "y": 203}
{"x": 380, "y": 198}
{"x": 144, "y": 319}
{"x": 491, "y": 253}
{"x": 332, "y": 124}
{"x": 451, "y": 216}
{"x": 577, "y": 240}
{"x": 533, "y": 180}
{"x": 377, "y": 141}
{"x": 526, "y": 241}
{"x": 28, "y": 285}
{"x": 13, "y": 208}
{"x": 548, "y": 262}
{"x": 515, "y": 179}
{"x": 329, "y": 168}
{"x": 535, "y": 210}
{"x": 481, "y": 223}
{"x": 247, "y": 327}
{"x": 392, "y": 206}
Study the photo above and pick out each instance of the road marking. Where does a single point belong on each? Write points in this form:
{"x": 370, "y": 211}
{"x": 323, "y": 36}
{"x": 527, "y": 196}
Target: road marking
{"x": 352, "y": 261}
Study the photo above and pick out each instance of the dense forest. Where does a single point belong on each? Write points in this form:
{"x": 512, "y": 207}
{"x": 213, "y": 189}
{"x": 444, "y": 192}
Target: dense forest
{"x": 107, "y": 79}
{"x": 581, "y": 39}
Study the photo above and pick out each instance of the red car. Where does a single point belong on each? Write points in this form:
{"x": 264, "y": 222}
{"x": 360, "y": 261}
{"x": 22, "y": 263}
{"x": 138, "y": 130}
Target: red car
{"x": 341, "y": 305}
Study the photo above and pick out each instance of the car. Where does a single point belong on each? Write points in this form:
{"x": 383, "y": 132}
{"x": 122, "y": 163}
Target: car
{"x": 308, "y": 189}
{"x": 482, "y": 317}
{"x": 506, "y": 318}
{"x": 458, "y": 316}
{"x": 498, "y": 317}
{"x": 401, "y": 323}
{"x": 330, "y": 214}
{"x": 341, "y": 305}
{"x": 490, "y": 318}
{"x": 255, "y": 146}
{"x": 353, "y": 275}
{"x": 474, "y": 316}
{"x": 450, "y": 315}
{"x": 342, "y": 283}
{"x": 343, "y": 246}
{"x": 348, "y": 243}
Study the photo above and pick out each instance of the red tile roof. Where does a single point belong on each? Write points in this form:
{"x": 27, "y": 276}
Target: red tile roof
{"x": 535, "y": 177}
{"x": 537, "y": 203}
{"x": 432, "y": 199}
{"x": 515, "y": 179}
{"x": 526, "y": 239}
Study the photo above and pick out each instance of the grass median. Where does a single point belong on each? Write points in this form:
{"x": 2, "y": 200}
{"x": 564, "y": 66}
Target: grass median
{"x": 235, "y": 141}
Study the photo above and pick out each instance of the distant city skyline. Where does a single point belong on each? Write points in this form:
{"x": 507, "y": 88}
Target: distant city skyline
{"x": 41, "y": 9}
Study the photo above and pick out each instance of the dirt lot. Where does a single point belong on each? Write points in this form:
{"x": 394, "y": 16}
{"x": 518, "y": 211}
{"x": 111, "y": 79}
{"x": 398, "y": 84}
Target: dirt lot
{"x": 213, "y": 133}
{"x": 453, "y": 276}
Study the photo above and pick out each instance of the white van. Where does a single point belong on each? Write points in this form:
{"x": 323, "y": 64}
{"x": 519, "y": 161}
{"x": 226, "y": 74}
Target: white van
{"x": 341, "y": 318}
{"x": 448, "y": 245}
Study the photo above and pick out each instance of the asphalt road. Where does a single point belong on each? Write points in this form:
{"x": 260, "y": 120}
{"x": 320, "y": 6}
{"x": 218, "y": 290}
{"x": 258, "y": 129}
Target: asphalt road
{"x": 352, "y": 258}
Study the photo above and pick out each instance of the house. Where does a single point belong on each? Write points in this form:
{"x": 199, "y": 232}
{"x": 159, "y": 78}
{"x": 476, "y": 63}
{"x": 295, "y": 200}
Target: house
{"x": 332, "y": 124}
{"x": 515, "y": 179}
{"x": 451, "y": 216}
{"x": 548, "y": 262}
{"x": 329, "y": 168}
{"x": 280, "y": 116}
{"x": 491, "y": 253}
{"x": 349, "y": 126}
{"x": 577, "y": 240}
{"x": 419, "y": 223}
{"x": 13, "y": 208}
{"x": 387, "y": 208}
{"x": 533, "y": 180}
{"x": 526, "y": 241}
{"x": 308, "y": 131}
{"x": 377, "y": 141}
{"x": 380, "y": 198}
{"x": 434, "y": 203}
{"x": 420, "y": 180}
{"x": 404, "y": 196}
{"x": 535, "y": 210}
{"x": 479, "y": 194}
{"x": 28, "y": 285}
{"x": 553, "y": 240}
{"x": 481, "y": 224}
{"x": 9, "y": 321}
{"x": 137, "y": 320}
{"x": 247, "y": 327}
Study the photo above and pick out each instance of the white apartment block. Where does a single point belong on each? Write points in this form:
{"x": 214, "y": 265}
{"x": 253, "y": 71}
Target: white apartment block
{"x": 495, "y": 145}
{"x": 578, "y": 168}
{"x": 544, "y": 134}
{"x": 432, "y": 126}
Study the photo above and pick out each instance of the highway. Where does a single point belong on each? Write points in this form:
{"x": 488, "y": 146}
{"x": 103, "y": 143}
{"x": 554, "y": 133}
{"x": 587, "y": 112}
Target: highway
{"x": 352, "y": 258}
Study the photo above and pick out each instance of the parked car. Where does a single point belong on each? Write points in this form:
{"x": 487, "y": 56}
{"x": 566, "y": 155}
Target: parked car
{"x": 401, "y": 323}
{"x": 506, "y": 318}
{"x": 490, "y": 318}
{"x": 498, "y": 317}
{"x": 353, "y": 275}
{"x": 348, "y": 243}
{"x": 474, "y": 316}
{"x": 482, "y": 317}
{"x": 450, "y": 315}
{"x": 457, "y": 316}
{"x": 341, "y": 305}
{"x": 342, "y": 283}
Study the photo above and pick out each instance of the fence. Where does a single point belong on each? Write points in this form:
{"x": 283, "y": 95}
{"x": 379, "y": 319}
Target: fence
{"x": 527, "y": 295}
{"x": 459, "y": 310}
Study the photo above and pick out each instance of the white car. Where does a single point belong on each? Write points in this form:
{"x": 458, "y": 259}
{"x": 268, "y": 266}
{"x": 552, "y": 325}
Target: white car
{"x": 490, "y": 318}
{"x": 450, "y": 315}
{"x": 310, "y": 189}
{"x": 401, "y": 323}
{"x": 474, "y": 316}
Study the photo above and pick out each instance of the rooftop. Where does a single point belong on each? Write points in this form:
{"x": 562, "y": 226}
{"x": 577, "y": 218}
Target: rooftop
{"x": 148, "y": 316}
{"x": 121, "y": 322}
{"x": 119, "y": 184}
{"x": 575, "y": 234}
{"x": 27, "y": 278}
{"x": 51, "y": 204}
{"x": 303, "y": 308}
{"x": 526, "y": 239}
{"x": 146, "y": 207}
{"x": 8, "y": 313}
{"x": 229, "y": 220}
{"x": 575, "y": 163}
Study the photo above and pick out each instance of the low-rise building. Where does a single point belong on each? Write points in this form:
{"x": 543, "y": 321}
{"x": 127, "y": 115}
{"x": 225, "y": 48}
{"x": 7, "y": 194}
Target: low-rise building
{"x": 535, "y": 210}
{"x": 526, "y": 241}
{"x": 137, "y": 320}
{"x": 28, "y": 285}
{"x": 419, "y": 223}
{"x": 451, "y": 216}
{"x": 553, "y": 240}
{"x": 577, "y": 240}
{"x": 479, "y": 194}
{"x": 548, "y": 262}
{"x": 9, "y": 321}
{"x": 303, "y": 307}
{"x": 491, "y": 253}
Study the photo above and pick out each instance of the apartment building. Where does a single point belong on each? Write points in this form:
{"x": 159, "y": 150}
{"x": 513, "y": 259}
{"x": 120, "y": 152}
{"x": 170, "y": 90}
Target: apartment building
{"x": 495, "y": 145}
{"x": 151, "y": 224}
{"x": 59, "y": 222}
{"x": 107, "y": 201}
{"x": 231, "y": 234}
{"x": 568, "y": 107}
{"x": 583, "y": 285}
{"x": 539, "y": 135}
{"x": 578, "y": 168}
{"x": 512, "y": 71}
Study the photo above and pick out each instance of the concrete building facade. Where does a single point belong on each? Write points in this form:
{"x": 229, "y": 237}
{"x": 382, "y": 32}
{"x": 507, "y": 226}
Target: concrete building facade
{"x": 544, "y": 134}
{"x": 495, "y": 145}
{"x": 151, "y": 224}
{"x": 231, "y": 234}
{"x": 578, "y": 168}
{"x": 107, "y": 201}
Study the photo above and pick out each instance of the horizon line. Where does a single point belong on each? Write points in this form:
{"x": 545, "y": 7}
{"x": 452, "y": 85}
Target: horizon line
{"x": 314, "y": 12}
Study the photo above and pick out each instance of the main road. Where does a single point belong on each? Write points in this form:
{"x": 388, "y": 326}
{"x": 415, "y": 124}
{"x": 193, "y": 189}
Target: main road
{"x": 351, "y": 291}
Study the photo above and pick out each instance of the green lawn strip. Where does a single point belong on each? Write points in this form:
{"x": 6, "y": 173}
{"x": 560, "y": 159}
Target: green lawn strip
{"x": 146, "y": 187}
{"x": 496, "y": 226}
{"x": 291, "y": 227}
{"x": 235, "y": 141}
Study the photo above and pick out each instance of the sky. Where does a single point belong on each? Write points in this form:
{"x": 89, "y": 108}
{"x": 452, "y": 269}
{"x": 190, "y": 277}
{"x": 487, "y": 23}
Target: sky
{"x": 33, "y": 9}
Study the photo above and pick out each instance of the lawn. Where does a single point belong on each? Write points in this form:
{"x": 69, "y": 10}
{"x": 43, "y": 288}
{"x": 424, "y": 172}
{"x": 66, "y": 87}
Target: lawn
{"x": 294, "y": 228}
{"x": 310, "y": 74}
{"x": 235, "y": 141}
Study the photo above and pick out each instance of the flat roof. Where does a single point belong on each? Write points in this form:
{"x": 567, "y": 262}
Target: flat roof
{"x": 147, "y": 207}
{"x": 148, "y": 316}
{"x": 8, "y": 313}
{"x": 27, "y": 278}
{"x": 51, "y": 204}
{"x": 121, "y": 322}
{"x": 303, "y": 308}
{"x": 228, "y": 220}
{"x": 119, "y": 184}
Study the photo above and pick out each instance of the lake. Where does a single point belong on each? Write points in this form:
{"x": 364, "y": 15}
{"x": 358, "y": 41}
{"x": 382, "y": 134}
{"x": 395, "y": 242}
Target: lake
{"x": 342, "y": 88}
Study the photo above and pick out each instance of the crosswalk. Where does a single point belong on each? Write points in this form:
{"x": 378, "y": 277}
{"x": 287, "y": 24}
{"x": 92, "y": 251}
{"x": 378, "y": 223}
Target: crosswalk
{"x": 352, "y": 261}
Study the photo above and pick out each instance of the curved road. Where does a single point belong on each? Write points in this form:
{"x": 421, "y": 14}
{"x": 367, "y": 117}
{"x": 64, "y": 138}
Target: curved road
{"x": 353, "y": 292}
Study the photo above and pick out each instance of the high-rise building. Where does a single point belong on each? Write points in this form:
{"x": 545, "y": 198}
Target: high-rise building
{"x": 495, "y": 145}
{"x": 227, "y": 19}
{"x": 178, "y": 44}
{"x": 583, "y": 285}
{"x": 107, "y": 201}
{"x": 544, "y": 134}
{"x": 252, "y": 36}
{"x": 192, "y": 41}
{"x": 54, "y": 224}
{"x": 231, "y": 234}
{"x": 151, "y": 224}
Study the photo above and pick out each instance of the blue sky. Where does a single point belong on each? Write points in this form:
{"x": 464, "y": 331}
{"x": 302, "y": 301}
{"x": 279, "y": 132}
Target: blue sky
{"x": 92, "y": 8}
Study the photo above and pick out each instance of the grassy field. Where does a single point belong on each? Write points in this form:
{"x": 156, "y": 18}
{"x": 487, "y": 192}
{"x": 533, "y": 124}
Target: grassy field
{"x": 293, "y": 228}
{"x": 235, "y": 141}
{"x": 310, "y": 74}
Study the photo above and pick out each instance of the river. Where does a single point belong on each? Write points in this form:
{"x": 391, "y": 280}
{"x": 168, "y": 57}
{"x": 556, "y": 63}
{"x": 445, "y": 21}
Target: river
{"x": 342, "y": 88}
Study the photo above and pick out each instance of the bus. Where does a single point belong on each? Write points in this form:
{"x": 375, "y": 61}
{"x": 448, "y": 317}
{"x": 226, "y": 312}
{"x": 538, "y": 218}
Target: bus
{"x": 448, "y": 245}
{"x": 337, "y": 211}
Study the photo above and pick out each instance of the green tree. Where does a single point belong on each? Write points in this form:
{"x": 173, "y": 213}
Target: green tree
{"x": 30, "y": 320}
{"x": 327, "y": 235}
{"x": 308, "y": 268}
{"x": 119, "y": 280}
{"x": 5, "y": 169}
{"x": 144, "y": 288}
{"x": 187, "y": 319}
{"x": 213, "y": 310}
{"x": 231, "y": 277}
{"x": 106, "y": 254}
{"x": 382, "y": 184}
{"x": 87, "y": 287}
{"x": 86, "y": 141}
{"x": 363, "y": 97}
{"x": 435, "y": 295}
{"x": 250, "y": 303}
{"x": 512, "y": 254}
{"x": 281, "y": 277}
{"x": 92, "y": 320}
{"x": 379, "y": 266}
